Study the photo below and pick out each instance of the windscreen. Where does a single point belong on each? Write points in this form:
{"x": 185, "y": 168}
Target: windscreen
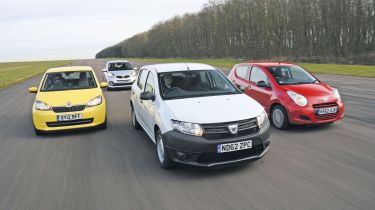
{"x": 120, "y": 66}
{"x": 291, "y": 75}
{"x": 68, "y": 81}
{"x": 187, "y": 84}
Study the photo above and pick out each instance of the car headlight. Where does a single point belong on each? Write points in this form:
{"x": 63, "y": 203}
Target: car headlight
{"x": 187, "y": 128}
{"x": 133, "y": 73}
{"x": 337, "y": 94}
{"x": 110, "y": 75}
{"x": 95, "y": 101}
{"x": 262, "y": 119}
{"x": 297, "y": 98}
{"x": 41, "y": 106}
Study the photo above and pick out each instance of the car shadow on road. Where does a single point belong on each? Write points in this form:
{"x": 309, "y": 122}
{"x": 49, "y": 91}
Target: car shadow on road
{"x": 198, "y": 172}
{"x": 118, "y": 89}
{"x": 307, "y": 128}
{"x": 70, "y": 133}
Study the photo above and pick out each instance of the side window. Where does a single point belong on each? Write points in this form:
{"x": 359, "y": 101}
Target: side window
{"x": 257, "y": 75}
{"x": 150, "y": 84}
{"x": 243, "y": 72}
{"x": 141, "y": 79}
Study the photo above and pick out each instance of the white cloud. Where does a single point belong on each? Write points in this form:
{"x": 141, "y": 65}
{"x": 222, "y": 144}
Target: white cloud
{"x": 40, "y": 29}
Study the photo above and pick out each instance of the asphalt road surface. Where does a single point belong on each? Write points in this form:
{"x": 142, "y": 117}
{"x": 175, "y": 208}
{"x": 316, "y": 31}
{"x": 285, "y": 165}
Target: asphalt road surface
{"x": 327, "y": 167}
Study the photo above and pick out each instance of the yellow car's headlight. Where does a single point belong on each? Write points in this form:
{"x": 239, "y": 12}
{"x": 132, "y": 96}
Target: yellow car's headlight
{"x": 95, "y": 101}
{"x": 39, "y": 105}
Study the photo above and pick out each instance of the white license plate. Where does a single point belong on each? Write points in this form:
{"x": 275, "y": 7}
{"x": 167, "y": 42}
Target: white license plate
{"x": 221, "y": 148}
{"x": 123, "y": 81}
{"x": 69, "y": 117}
{"x": 328, "y": 110}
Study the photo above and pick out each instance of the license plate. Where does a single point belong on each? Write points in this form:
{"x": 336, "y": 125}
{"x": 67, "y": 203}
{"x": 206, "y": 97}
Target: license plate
{"x": 69, "y": 117}
{"x": 123, "y": 81}
{"x": 221, "y": 148}
{"x": 329, "y": 110}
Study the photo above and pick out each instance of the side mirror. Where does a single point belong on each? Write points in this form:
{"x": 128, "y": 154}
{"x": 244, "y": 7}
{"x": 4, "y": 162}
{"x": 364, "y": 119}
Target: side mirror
{"x": 135, "y": 68}
{"x": 147, "y": 96}
{"x": 104, "y": 70}
{"x": 103, "y": 84}
{"x": 262, "y": 84}
{"x": 242, "y": 88}
{"x": 33, "y": 90}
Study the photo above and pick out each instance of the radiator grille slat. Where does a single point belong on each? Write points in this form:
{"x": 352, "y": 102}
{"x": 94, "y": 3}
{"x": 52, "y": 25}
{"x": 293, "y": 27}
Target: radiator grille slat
{"x": 221, "y": 131}
{"x": 325, "y": 116}
{"x": 62, "y": 109}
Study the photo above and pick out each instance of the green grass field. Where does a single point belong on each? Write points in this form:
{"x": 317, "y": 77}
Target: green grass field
{"x": 338, "y": 69}
{"x": 17, "y": 71}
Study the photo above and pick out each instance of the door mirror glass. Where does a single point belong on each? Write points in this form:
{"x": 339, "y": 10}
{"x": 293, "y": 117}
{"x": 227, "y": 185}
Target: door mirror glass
{"x": 147, "y": 96}
{"x": 242, "y": 88}
{"x": 262, "y": 84}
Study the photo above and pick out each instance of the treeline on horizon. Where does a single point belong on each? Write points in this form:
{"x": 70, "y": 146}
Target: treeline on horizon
{"x": 340, "y": 31}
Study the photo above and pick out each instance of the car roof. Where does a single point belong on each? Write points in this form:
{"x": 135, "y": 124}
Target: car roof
{"x": 172, "y": 67}
{"x": 267, "y": 64}
{"x": 70, "y": 68}
{"x": 118, "y": 61}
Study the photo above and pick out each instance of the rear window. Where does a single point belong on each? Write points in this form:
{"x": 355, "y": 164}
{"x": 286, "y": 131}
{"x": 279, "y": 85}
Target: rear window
{"x": 71, "y": 80}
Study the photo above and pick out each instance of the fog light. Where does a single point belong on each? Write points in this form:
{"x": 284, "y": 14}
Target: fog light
{"x": 303, "y": 117}
{"x": 111, "y": 83}
{"x": 266, "y": 143}
{"x": 184, "y": 156}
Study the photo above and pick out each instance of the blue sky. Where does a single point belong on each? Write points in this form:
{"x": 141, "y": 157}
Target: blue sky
{"x": 71, "y": 29}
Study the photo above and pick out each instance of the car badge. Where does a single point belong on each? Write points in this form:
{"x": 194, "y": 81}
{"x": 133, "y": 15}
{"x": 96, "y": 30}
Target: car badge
{"x": 69, "y": 104}
{"x": 233, "y": 129}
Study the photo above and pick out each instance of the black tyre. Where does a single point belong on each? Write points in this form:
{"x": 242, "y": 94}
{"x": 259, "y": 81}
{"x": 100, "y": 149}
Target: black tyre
{"x": 135, "y": 122}
{"x": 109, "y": 89}
{"x": 279, "y": 117}
{"x": 163, "y": 157}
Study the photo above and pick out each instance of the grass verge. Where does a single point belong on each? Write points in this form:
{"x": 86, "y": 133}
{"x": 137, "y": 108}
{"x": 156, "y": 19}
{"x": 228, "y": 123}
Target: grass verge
{"x": 13, "y": 72}
{"x": 337, "y": 69}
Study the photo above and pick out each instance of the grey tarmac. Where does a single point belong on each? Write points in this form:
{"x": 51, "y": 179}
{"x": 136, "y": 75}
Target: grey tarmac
{"x": 307, "y": 167}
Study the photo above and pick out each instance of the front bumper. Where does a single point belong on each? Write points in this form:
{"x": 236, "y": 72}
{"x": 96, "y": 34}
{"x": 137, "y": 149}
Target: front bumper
{"x": 47, "y": 120}
{"x": 306, "y": 115}
{"x": 198, "y": 151}
{"x": 120, "y": 83}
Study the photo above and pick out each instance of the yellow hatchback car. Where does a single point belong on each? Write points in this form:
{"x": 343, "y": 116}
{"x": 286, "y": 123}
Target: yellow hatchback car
{"x": 68, "y": 98}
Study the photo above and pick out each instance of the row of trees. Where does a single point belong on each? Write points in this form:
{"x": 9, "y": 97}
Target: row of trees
{"x": 262, "y": 29}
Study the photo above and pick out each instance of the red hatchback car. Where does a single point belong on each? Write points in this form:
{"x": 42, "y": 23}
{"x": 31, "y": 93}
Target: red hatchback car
{"x": 290, "y": 94}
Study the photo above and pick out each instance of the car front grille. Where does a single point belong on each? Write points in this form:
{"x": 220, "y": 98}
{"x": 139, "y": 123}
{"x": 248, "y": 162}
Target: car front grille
{"x": 221, "y": 131}
{"x": 70, "y": 123}
{"x": 122, "y": 77}
{"x": 325, "y": 105}
{"x": 122, "y": 84}
{"x": 213, "y": 157}
{"x": 61, "y": 109}
{"x": 325, "y": 116}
